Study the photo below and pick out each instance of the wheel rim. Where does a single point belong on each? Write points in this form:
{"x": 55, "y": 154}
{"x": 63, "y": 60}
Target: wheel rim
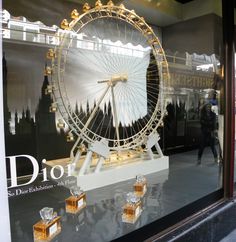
{"x": 129, "y": 132}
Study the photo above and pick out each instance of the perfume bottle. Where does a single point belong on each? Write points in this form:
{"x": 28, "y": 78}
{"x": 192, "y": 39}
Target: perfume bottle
{"x": 47, "y": 228}
{"x": 132, "y": 209}
{"x": 140, "y": 185}
{"x": 77, "y": 201}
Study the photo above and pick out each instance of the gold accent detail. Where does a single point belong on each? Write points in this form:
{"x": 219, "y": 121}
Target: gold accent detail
{"x": 64, "y": 24}
{"x": 121, "y": 9}
{"x": 141, "y": 22}
{"x": 74, "y": 14}
{"x": 122, "y": 6}
{"x": 70, "y": 137}
{"x": 98, "y": 4}
{"x": 110, "y": 4}
{"x": 132, "y": 15}
{"x": 94, "y": 155}
{"x": 48, "y": 90}
{"x": 53, "y": 108}
{"x": 82, "y": 148}
{"x": 153, "y": 41}
{"x": 148, "y": 31}
{"x": 51, "y": 54}
{"x": 161, "y": 124}
{"x": 86, "y": 7}
{"x": 140, "y": 149}
{"x": 118, "y": 157}
{"x": 60, "y": 124}
{"x": 142, "y": 18}
{"x": 48, "y": 71}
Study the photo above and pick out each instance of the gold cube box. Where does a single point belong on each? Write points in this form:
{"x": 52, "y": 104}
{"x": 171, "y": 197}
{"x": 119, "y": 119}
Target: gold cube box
{"x": 131, "y": 212}
{"x": 44, "y": 232}
{"x": 140, "y": 188}
{"x": 74, "y": 204}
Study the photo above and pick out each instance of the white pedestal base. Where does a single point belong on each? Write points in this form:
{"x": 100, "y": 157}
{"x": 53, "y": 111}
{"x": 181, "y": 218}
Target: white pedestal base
{"x": 121, "y": 173}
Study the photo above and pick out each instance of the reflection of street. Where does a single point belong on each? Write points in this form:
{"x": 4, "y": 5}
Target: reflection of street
{"x": 221, "y": 132}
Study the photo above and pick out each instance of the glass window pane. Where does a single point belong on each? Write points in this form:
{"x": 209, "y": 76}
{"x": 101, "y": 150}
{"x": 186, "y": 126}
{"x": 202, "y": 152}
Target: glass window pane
{"x": 130, "y": 105}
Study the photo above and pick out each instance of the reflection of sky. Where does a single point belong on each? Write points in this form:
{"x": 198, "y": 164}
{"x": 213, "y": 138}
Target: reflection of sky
{"x": 86, "y": 67}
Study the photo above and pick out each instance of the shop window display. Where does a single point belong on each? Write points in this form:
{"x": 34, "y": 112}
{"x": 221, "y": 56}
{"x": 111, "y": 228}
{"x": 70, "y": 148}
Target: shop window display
{"x": 107, "y": 107}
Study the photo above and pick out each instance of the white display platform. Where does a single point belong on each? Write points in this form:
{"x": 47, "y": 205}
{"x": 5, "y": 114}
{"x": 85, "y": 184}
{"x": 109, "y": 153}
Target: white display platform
{"x": 122, "y": 173}
{"x": 108, "y": 174}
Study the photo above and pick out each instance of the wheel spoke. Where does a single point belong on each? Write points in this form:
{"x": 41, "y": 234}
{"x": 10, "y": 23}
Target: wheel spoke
{"x": 115, "y": 116}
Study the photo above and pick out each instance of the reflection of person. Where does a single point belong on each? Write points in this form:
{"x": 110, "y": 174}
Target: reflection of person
{"x": 208, "y": 128}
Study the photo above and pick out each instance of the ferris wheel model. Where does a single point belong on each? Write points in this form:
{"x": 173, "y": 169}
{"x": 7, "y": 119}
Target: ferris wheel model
{"x": 125, "y": 105}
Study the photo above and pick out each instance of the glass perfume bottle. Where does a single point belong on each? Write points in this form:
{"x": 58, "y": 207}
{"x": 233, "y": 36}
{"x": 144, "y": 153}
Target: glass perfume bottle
{"x": 140, "y": 185}
{"x": 47, "y": 228}
{"x": 77, "y": 201}
{"x": 132, "y": 209}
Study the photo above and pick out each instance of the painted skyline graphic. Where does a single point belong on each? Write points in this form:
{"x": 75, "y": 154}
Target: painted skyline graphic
{"x": 30, "y": 129}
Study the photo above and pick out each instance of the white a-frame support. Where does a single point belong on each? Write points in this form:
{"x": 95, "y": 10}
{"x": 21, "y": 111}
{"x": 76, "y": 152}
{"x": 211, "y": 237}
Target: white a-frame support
{"x": 102, "y": 150}
{"x": 152, "y": 140}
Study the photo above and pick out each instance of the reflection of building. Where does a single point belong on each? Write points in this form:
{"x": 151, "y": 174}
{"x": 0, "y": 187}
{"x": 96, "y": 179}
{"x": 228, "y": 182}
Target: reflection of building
{"x": 44, "y": 119}
{"x": 192, "y": 79}
{"x": 37, "y": 137}
{"x": 7, "y": 114}
{"x": 25, "y": 124}
{"x": 19, "y": 28}
{"x": 50, "y": 143}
